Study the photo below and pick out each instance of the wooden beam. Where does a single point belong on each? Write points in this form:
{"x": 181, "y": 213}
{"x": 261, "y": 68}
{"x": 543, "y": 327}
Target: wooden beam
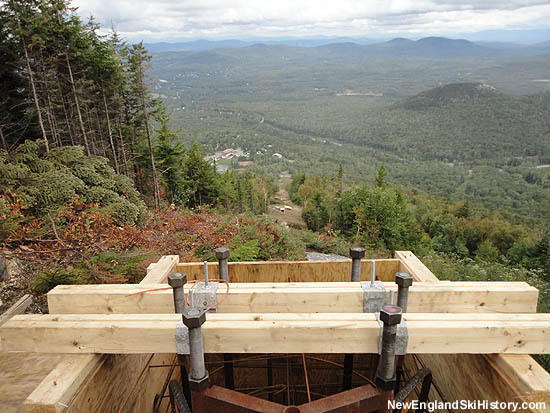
{"x": 293, "y": 271}
{"x": 456, "y": 297}
{"x": 498, "y": 376}
{"x": 19, "y": 307}
{"x": 411, "y": 264}
{"x": 277, "y": 333}
{"x": 84, "y": 374}
{"x": 68, "y": 376}
{"x": 160, "y": 271}
{"x": 526, "y": 376}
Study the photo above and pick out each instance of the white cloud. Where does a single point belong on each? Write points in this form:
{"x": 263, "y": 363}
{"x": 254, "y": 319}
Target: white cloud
{"x": 155, "y": 20}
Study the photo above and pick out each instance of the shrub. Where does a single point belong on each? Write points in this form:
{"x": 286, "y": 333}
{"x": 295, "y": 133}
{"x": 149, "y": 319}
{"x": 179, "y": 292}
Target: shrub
{"x": 45, "y": 182}
{"x": 487, "y": 252}
{"x": 115, "y": 267}
{"x": 328, "y": 243}
{"x": 243, "y": 251}
{"x": 46, "y": 280}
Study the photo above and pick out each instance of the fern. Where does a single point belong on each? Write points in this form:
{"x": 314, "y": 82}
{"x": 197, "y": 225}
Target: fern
{"x": 45, "y": 182}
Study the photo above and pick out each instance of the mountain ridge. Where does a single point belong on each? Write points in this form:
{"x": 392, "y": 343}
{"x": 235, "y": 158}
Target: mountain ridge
{"x": 432, "y": 46}
{"x": 451, "y": 93}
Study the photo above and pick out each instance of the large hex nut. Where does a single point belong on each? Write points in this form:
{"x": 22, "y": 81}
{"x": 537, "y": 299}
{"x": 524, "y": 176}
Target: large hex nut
{"x": 403, "y": 279}
{"x": 357, "y": 252}
{"x": 199, "y": 385}
{"x": 194, "y": 317}
{"x": 177, "y": 279}
{"x": 222, "y": 253}
{"x": 390, "y": 315}
{"x": 386, "y": 384}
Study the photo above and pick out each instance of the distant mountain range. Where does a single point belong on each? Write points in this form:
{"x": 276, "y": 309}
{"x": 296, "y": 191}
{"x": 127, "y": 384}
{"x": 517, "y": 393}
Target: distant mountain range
{"x": 201, "y": 45}
{"x": 398, "y": 47}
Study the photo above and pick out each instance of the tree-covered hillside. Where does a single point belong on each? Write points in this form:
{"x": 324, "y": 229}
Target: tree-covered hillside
{"x": 462, "y": 141}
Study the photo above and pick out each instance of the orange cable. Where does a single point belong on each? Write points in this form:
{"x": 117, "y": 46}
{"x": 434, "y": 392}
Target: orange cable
{"x": 194, "y": 284}
{"x": 146, "y": 291}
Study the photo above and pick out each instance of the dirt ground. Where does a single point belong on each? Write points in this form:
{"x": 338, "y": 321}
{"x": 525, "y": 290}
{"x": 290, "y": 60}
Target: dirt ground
{"x": 292, "y": 217}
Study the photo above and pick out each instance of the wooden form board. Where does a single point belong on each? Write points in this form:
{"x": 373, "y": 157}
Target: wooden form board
{"x": 86, "y": 375}
{"x": 20, "y": 374}
{"x": 293, "y": 271}
{"x": 345, "y": 297}
{"x": 124, "y": 378}
{"x": 276, "y": 333}
{"x": 478, "y": 376}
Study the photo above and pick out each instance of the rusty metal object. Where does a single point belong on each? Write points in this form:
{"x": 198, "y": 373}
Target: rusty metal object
{"x": 178, "y": 402}
{"x": 423, "y": 376}
{"x": 359, "y": 400}
{"x": 218, "y": 399}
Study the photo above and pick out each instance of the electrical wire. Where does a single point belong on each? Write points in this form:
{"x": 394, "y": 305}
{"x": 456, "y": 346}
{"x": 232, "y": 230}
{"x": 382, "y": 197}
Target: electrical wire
{"x": 194, "y": 284}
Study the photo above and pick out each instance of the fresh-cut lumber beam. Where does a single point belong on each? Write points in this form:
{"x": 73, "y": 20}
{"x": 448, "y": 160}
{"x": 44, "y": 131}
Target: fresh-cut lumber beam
{"x": 498, "y": 376}
{"x": 19, "y": 307}
{"x": 338, "y": 297}
{"x": 277, "y": 333}
{"x": 79, "y": 374}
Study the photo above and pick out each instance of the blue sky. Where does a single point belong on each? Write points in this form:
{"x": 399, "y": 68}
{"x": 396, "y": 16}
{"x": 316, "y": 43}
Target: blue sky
{"x": 169, "y": 20}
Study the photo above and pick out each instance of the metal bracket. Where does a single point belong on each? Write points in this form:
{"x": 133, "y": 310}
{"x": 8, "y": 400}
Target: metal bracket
{"x": 401, "y": 340}
{"x": 374, "y": 296}
{"x": 205, "y": 295}
{"x": 182, "y": 338}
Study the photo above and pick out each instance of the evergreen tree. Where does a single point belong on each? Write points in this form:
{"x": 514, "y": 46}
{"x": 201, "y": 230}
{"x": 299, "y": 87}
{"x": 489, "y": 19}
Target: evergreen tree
{"x": 380, "y": 180}
{"x": 63, "y": 82}
{"x": 201, "y": 181}
{"x": 169, "y": 153}
{"x": 138, "y": 60}
{"x": 315, "y": 214}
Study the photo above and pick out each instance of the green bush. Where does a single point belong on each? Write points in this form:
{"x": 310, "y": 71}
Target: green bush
{"x": 487, "y": 252}
{"x": 9, "y": 219}
{"x": 274, "y": 241}
{"x": 380, "y": 217}
{"x": 115, "y": 267}
{"x": 325, "y": 243}
{"x": 243, "y": 251}
{"x": 46, "y": 280}
{"x": 45, "y": 182}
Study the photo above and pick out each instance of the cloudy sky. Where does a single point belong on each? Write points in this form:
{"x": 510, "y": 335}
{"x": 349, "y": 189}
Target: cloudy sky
{"x": 173, "y": 20}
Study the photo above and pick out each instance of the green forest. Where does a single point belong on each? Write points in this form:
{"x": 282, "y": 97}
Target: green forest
{"x": 106, "y": 156}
